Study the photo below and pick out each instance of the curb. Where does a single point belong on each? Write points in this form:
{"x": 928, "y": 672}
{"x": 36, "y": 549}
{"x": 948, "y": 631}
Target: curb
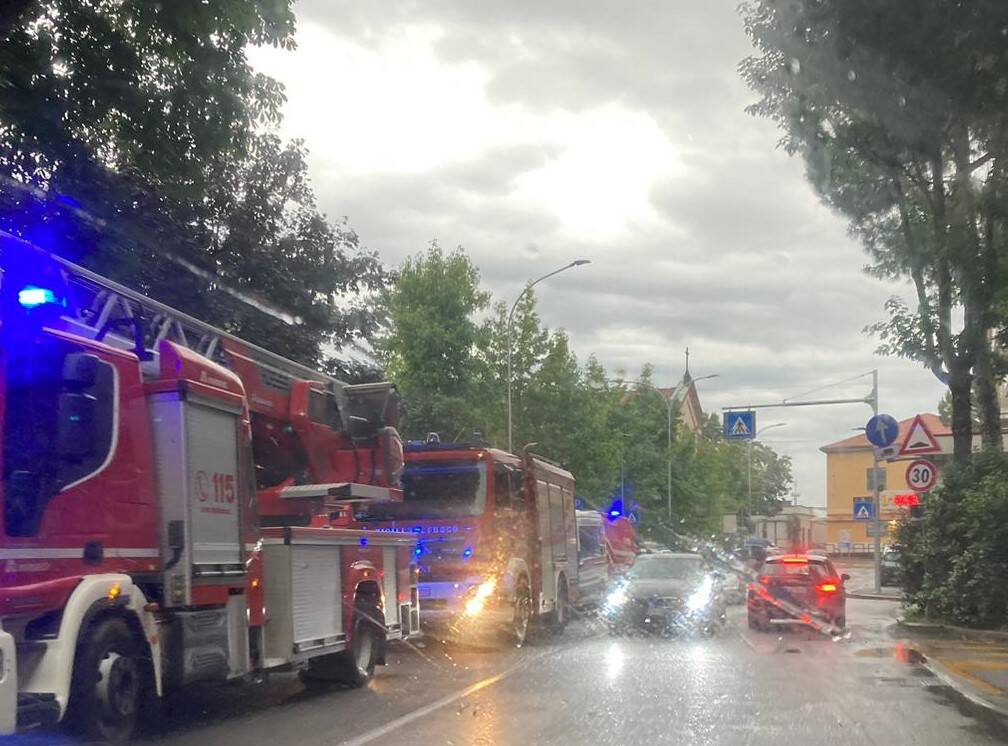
{"x": 951, "y": 630}
{"x": 961, "y": 688}
{"x": 874, "y": 596}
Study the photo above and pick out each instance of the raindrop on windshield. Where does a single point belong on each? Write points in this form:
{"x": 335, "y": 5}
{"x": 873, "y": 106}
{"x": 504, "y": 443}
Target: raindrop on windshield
{"x": 795, "y": 66}
{"x": 851, "y": 76}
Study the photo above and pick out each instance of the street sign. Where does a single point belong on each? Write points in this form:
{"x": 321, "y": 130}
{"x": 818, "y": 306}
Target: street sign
{"x": 864, "y": 510}
{"x": 870, "y": 530}
{"x": 882, "y": 430}
{"x": 919, "y": 440}
{"x": 921, "y": 475}
{"x": 740, "y": 425}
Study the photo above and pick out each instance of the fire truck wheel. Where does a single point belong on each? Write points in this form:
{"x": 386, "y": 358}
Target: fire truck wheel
{"x": 354, "y": 666}
{"x": 561, "y": 614}
{"x": 517, "y": 633}
{"x": 109, "y": 682}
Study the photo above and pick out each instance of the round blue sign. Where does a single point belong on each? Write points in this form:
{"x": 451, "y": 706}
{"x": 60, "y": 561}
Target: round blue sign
{"x": 882, "y": 430}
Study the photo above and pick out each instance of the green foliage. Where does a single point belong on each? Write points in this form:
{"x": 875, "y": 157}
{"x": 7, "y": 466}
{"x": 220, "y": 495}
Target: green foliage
{"x": 429, "y": 349}
{"x": 898, "y": 110}
{"x": 452, "y": 371}
{"x": 135, "y": 139}
{"x": 955, "y": 559}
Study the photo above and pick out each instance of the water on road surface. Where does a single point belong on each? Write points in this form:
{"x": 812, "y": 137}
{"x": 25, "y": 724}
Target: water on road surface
{"x": 587, "y": 687}
{"x": 741, "y": 687}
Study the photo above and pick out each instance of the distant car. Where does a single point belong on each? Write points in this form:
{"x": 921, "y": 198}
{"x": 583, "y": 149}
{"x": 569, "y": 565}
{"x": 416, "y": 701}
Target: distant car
{"x": 890, "y": 569}
{"x": 797, "y": 588}
{"x": 666, "y": 592}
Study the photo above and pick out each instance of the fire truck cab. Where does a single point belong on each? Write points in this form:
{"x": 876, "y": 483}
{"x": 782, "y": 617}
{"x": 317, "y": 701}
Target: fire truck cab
{"x": 497, "y": 536}
{"x": 134, "y": 557}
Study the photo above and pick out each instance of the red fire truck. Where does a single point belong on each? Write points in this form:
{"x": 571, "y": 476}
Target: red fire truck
{"x": 497, "y": 546}
{"x": 171, "y": 506}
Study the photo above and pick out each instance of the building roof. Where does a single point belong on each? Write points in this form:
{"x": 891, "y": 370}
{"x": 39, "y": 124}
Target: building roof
{"x": 860, "y": 443}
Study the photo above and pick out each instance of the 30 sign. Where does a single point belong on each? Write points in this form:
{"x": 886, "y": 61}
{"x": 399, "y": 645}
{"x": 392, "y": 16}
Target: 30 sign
{"x": 921, "y": 475}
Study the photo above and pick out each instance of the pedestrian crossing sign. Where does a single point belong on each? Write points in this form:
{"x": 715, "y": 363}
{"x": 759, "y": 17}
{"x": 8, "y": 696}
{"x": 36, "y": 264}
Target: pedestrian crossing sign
{"x": 740, "y": 425}
{"x": 864, "y": 510}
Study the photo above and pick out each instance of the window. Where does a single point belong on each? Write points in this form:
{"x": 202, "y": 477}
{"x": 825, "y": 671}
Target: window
{"x": 507, "y": 486}
{"x": 590, "y": 541}
{"x": 59, "y": 426}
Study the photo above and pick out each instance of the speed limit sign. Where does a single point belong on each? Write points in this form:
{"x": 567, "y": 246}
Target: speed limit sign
{"x": 921, "y": 475}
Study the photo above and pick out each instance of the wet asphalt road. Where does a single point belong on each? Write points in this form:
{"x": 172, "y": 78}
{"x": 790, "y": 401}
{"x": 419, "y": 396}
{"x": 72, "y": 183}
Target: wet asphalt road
{"x": 741, "y": 687}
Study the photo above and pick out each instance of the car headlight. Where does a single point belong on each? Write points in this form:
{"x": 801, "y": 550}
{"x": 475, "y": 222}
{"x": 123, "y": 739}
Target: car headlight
{"x": 617, "y": 598}
{"x": 479, "y": 597}
{"x": 701, "y": 596}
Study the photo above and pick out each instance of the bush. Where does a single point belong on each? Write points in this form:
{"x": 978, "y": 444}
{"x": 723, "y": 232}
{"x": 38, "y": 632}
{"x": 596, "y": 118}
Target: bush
{"x": 955, "y": 559}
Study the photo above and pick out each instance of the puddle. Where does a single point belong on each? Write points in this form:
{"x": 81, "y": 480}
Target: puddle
{"x": 899, "y": 651}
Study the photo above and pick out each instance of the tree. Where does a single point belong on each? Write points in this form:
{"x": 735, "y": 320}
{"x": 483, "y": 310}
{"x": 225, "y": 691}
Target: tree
{"x": 898, "y": 112}
{"x": 134, "y": 140}
{"x": 429, "y": 348}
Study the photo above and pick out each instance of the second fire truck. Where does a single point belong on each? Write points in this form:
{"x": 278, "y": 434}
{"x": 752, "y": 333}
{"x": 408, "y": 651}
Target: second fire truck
{"x": 171, "y": 506}
{"x": 497, "y": 537}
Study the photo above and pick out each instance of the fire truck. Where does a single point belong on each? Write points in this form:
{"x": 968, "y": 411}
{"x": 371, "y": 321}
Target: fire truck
{"x": 607, "y": 547}
{"x": 175, "y": 507}
{"x": 497, "y": 538}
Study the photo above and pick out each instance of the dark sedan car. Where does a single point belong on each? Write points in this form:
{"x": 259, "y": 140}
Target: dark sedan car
{"x": 797, "y": 589}
{"x": 666, "y": 592}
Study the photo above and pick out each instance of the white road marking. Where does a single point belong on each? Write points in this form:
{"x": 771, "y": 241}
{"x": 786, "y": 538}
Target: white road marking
{"x": 394, "y": 725}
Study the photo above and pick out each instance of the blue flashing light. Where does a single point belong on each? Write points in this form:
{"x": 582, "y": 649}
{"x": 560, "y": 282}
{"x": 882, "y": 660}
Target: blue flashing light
{"x": 467, "y": 552}
{"x": 615, "y": 509}
{"x": 32, "y": 296}
{"x": 419, "y": 550}
{"x": 614, "y": 514}
{"x": 363, "y": 541}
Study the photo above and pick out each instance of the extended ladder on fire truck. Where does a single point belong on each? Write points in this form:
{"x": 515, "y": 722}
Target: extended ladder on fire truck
{"x": 101, "y": 309}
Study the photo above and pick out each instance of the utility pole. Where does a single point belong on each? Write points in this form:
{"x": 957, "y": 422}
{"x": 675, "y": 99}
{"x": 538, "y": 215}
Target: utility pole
{"x": 872, "y": 401}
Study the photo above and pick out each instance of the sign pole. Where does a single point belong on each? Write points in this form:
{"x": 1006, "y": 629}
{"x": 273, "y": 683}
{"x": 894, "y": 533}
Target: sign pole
{"x": 877, "y": 498}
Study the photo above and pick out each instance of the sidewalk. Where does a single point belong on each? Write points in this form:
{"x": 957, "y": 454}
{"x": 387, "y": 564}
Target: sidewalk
{"x": 973, "y": 662}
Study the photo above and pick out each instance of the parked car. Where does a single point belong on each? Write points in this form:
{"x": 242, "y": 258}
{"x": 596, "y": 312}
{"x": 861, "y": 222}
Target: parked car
{"x": 797, "y": 589}
{"x": 890, "y": 569}
{"x": 666, "y": 592}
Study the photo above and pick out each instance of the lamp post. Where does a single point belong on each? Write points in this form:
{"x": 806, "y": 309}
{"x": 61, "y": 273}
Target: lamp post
{"x": 749, "y": 466}
{"x": 575, "y": 263}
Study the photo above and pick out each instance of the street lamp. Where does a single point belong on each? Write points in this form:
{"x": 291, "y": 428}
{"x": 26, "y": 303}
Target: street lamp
{"x": 668, "y": 406}
{"x": 749, "y": 466}
{"x": 575, "y": 263}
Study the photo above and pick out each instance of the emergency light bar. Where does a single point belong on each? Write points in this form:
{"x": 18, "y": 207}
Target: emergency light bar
{"x": 336, "y": 491}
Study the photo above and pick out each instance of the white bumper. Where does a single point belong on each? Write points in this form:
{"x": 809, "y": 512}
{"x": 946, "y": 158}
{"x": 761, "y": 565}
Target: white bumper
{"x": 8, "y": 684}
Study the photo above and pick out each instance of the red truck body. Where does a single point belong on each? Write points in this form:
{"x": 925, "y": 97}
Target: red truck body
{"x": 171, "y": 502}
{"x": 497, "y": 537}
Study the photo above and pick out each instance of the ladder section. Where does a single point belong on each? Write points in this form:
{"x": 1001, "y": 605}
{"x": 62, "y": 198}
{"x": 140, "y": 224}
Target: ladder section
{"x": 101, "y": 309}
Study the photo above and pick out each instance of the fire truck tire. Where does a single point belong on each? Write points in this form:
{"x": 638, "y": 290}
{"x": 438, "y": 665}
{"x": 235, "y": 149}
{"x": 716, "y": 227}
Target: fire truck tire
{"x": 561, "y": 614}
{"x": 518, "y": 631}
{"x": 110, "y": 682}
{"x": 355, "y": 666}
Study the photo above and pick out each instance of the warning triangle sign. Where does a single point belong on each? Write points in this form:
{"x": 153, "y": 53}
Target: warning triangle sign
{"x": 863, "y": 512}
{"x": 919, "y": 440}
{"x": 740, "y": 427}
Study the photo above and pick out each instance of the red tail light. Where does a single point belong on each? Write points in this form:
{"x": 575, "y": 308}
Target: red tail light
{"x": 828, "y": 587}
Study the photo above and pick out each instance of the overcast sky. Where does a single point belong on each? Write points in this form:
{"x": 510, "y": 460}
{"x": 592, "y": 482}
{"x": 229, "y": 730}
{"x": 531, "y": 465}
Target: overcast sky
{"x": 535, "y": 133}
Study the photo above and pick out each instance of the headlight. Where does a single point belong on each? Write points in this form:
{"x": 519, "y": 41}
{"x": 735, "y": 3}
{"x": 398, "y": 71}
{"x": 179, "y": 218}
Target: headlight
{"x": 479, "y": 597}
{"x": 617, "y": 598}
{"x": 701, "y": 596}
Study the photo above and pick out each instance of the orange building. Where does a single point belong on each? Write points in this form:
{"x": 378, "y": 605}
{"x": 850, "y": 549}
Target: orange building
{"x": 849, "y": 478}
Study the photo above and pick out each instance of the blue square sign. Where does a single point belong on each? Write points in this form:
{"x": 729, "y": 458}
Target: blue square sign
{"x": 864, "y": 510}
{"x": 740, "y": 425}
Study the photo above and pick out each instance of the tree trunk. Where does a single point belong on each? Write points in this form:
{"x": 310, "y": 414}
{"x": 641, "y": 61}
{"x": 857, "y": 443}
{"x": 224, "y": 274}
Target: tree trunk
{"x": 960, "y": 385}
{"x": 988, "y": 401}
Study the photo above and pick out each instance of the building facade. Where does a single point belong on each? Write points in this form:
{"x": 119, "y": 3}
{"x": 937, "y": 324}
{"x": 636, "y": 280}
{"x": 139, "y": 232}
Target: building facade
{"x": 849, "y": 480}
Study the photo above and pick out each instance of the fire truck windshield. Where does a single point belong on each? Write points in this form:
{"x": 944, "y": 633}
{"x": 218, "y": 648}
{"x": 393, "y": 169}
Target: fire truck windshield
{"x": 438, "y": 489}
